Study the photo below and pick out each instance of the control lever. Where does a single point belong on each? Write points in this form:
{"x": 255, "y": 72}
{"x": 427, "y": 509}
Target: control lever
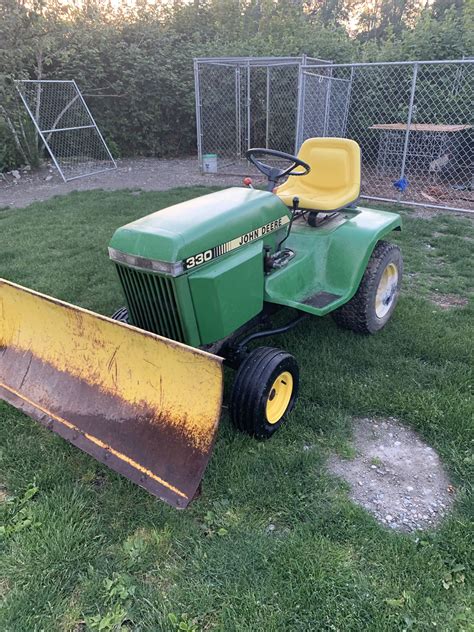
{"x": 296, "y": 202}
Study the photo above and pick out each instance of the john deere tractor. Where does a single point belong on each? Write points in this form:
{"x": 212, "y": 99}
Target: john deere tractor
{"x": 202, "y": 281}
{"x": 206, "y": 271}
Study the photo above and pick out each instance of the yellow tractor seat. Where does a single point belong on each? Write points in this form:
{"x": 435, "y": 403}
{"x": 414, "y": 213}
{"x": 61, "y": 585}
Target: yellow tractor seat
{"x": 334, "y": 179}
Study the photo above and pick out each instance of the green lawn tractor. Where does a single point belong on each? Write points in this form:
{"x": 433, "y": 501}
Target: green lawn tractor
{"x": 202, "y": 279}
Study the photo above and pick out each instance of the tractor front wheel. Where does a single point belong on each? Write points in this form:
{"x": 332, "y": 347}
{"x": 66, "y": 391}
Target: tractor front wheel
{"x": 121, "y": 315}
{"x": 374, "y": 302}
{"x": 264, "y": 392}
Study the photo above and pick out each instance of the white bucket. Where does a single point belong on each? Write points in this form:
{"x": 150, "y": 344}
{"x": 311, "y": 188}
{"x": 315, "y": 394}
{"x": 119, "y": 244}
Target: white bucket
{"x": 209, "y": 163}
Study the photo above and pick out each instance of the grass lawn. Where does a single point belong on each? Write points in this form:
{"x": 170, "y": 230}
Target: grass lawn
{"x": 83, "y": 548}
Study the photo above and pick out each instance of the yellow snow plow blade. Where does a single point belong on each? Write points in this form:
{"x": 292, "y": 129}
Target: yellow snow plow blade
{"x": 146, "y": 406}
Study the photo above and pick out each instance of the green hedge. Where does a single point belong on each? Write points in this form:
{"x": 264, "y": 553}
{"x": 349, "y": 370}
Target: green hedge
{"x": 135, "y": 66}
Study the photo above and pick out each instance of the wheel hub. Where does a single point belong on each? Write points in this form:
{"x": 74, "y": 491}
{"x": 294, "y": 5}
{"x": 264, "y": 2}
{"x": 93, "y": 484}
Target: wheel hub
{"x": 386, "y": 290}
{"x": 279, "y": 397}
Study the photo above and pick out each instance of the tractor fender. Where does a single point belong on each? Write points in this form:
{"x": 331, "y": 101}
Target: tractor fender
{"x": 330, "y": 261}
{"x": 351, "y": 247}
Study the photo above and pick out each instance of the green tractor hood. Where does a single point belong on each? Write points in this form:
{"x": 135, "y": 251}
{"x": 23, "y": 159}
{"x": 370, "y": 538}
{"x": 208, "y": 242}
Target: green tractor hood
{"x": 185, "y": 229}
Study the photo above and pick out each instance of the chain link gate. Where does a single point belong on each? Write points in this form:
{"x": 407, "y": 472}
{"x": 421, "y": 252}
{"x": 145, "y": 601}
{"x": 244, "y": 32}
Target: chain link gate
{"x": 244, "y": 102}
{"x": 323, "y": 103}
{"x": 66, "y": 127}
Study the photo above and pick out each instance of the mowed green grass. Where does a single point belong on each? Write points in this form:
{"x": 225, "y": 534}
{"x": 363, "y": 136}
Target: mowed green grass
{"x": 89, "y": 550}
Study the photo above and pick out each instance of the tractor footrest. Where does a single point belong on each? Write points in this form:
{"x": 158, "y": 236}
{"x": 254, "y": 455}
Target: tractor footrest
{"x": 321, "y": 299}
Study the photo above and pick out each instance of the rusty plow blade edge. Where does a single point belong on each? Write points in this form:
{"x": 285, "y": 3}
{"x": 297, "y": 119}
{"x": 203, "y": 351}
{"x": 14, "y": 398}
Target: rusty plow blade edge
{"x": 146, "y": 406}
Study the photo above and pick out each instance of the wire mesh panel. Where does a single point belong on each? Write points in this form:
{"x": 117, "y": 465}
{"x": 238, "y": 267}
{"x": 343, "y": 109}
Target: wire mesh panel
{"x": 283, "y": 108}
{"x": 324, "y": 104}
{"x": 219, "y": 110}
{"x": 258, "y": 105}
{"x": 379, "y": 95}
{"x": 66, "y": 127}
{"x": 367, "y": 97}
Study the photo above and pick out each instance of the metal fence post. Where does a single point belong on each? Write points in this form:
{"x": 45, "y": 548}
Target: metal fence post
{"x": 238, "y": 121}
{"x": 326, "y": 105}
{"x": 197, "y": 97}
{"x": 300, "y": 108}
{"x": 248, "y": 105}
{"x": 409, "y": 118}
{"x": 267, "y": 114}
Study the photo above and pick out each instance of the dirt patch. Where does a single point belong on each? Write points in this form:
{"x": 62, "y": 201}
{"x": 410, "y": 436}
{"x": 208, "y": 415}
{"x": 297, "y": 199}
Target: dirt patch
{"x": 148, "y": 174}
{"x": 395, "y": 475}
{"x": 419, "y": 191}
{"x": 448, "y": 301}
{"x": 21, "y": 187}
{"x": 424, "y": 212}
{"x": 4, "y": 589}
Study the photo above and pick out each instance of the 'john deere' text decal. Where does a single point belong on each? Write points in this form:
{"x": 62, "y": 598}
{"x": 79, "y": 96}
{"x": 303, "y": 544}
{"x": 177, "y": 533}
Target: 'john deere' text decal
{"x": 217, "y": 251}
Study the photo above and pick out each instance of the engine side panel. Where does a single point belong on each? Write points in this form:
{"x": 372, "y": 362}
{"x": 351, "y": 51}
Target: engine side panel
{"x": 228, "y": 293}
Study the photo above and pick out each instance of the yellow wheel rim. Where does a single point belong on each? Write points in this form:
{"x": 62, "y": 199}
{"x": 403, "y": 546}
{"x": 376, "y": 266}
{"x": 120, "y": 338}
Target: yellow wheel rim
{"x": 279, "y": 397}
{"x": 387, "y": 290}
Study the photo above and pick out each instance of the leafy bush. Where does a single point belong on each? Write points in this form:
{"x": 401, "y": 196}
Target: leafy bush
{"x": 134, "y": 65}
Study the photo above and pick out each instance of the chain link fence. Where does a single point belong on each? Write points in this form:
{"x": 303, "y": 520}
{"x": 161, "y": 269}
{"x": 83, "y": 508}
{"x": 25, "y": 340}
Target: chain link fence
{"x": 413, "y": 120}
{"x": 66, "y": 127}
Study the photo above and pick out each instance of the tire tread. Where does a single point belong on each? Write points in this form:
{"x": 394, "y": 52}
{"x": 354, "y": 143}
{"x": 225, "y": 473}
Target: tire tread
{"x": 249, "y": 388}
{"x": 354, "y": 315}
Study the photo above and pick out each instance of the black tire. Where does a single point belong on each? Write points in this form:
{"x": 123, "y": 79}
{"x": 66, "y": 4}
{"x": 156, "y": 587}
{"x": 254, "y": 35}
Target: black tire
{"x": 253, "y": 389}
{"x": 121, "y": 315}
{"x": 361, "y": 313}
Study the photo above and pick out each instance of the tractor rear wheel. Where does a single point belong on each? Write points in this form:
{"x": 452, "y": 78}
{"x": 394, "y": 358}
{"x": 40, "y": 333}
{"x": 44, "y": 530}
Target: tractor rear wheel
{"x": 264, "y": 392}
{"x": 374, "y": 302}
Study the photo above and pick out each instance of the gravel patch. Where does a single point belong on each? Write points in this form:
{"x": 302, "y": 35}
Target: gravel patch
{"x": 395, "y": 476}
{"x": 448, "y": 301}
{"x": 22, "y": 187}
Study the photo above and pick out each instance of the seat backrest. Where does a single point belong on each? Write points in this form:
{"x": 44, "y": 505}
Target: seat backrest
{"x": 334, "y": 162}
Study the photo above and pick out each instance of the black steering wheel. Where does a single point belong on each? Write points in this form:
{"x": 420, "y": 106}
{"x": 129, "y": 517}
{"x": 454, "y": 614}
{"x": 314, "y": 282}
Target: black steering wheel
{"x": 273, "y": 173}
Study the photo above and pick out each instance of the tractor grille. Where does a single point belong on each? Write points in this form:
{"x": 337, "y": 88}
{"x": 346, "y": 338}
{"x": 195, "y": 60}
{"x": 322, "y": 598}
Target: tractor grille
{"x": 152, "y": 303}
